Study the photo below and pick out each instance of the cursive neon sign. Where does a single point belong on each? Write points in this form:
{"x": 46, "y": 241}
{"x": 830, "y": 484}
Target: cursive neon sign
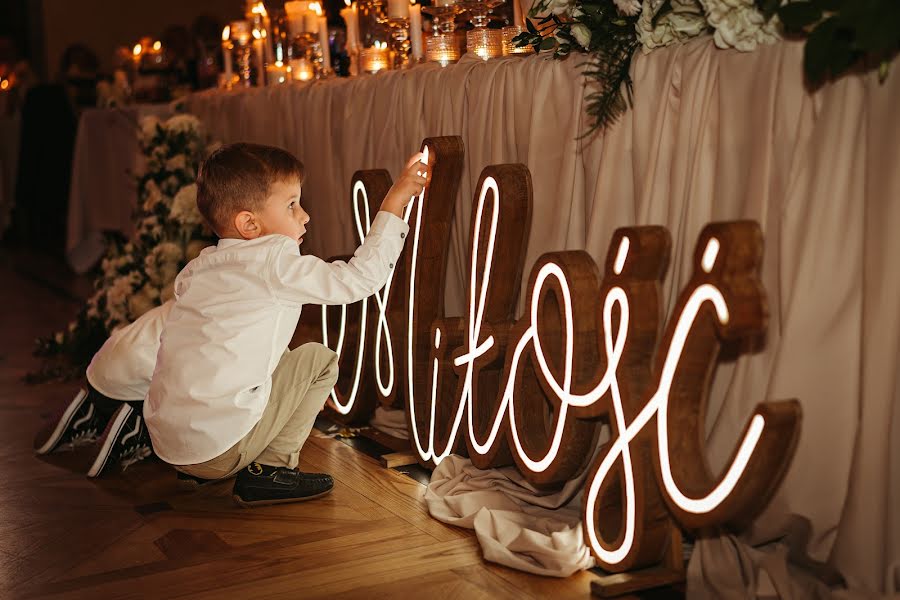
{"x": 589, "y": 352}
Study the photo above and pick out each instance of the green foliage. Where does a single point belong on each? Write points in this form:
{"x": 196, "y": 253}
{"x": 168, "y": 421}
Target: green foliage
{"x": 842, "y": 34}
{"x": 595, "y": 27}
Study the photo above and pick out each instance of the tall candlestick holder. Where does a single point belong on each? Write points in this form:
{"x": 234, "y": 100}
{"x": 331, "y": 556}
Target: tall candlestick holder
{"x": 306, "y": 54}
{"x": 400, "y": 44}
{"x": 484, "y": 42}
{"x": 241, "y": 36}
{"x": 443, "y": 18}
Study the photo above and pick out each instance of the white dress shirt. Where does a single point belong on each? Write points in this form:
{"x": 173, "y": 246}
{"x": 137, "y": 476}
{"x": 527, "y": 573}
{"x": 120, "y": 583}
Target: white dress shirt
{"x": 237, "y": 306}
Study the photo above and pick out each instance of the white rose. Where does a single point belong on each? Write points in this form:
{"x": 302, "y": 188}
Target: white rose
{"x": 738, "y": 24}
{"x": 685, "y": 20}
{"x": 182, "y": 124}
{"x": 582, "y": 35}
{"x": 184, "y": 207}
{"x": 176, "y": 163}
{"x": 153, "y": 195}
{"x": 628, "y": 7}
{"x": 558, "y": 7}
{"x": 149, "y": 127}
{"x": 143, "y": 301}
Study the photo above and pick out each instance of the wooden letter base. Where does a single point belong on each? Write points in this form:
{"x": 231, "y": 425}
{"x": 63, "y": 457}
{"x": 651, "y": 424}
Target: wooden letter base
{"x": 669, "y": 572}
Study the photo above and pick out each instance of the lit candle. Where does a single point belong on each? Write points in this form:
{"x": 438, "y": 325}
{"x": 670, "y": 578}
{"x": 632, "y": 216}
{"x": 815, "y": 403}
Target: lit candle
{"x": 260, "y": 10}
{"x": 258, "y": 50}
{"x": 278, "y": 73}
{"x": 301, "y": 69}
{"x": 444, "y": 2}
{"x": 226, "y": 53}
{"x": 296, "y": 11}
{"x": 136, "y": 54}
{"x": 398, "y": 9}
{"x": 374, "y": 59}
{"x": 415, "y": 31}
{"x": 351, "y": 18}
{"x": 311, "y": 18}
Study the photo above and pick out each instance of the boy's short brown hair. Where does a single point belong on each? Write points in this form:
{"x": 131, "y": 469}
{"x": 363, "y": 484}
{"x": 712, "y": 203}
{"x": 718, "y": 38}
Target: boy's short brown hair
{"x": 239, "y": 177}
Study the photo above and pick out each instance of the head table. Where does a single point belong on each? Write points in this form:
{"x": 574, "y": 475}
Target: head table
{"x": 713, "y": 135}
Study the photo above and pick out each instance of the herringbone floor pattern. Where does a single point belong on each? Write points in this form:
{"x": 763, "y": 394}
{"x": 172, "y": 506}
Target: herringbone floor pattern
{"x": 133, "y": 535}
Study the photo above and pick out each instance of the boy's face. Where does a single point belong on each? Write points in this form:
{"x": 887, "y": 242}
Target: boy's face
{"x": 282, "y": 212}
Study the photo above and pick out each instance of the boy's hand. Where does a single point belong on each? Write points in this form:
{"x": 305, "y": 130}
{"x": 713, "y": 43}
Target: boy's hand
{"x": 411, "y": 183}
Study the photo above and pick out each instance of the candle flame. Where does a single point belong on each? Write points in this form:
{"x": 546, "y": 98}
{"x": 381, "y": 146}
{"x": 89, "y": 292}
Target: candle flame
{"x": 137, "y": 50}
{"x": 347, "y": 2}
{"x": 157, "y": 45}
{"x": 256, "y": 34}
{"x": 279, "y": 64}
{"x": 226, "y": 33}
{"x": 259, "y": 9}
{"x": 4, "y": 84}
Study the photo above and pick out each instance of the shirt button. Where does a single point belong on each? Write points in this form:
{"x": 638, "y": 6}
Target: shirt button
{"x": 391, "y": 266}
{"x": 402, "y": 235}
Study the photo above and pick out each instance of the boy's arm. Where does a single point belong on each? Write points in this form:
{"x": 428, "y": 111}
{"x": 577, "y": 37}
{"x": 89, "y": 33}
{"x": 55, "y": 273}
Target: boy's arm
{"x": 308, "y": 279}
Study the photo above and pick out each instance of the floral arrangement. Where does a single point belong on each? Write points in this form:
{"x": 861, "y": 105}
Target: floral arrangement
{"x": 139, "y": 274}
{"x": 842, "y": 34}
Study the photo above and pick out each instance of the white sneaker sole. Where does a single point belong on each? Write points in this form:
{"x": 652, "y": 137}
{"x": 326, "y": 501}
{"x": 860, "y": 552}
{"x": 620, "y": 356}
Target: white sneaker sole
{"x": 118, "y": 423}
{"x": 63, "y": 423}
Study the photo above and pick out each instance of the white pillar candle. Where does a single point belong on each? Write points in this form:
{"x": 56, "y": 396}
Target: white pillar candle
{"x": 351, "y": 18}
{"x": 323, "y": 42}
{"x": 398, "y": 9}
{"x": 311, "y": 18}
{"x": 270, "y": 52}
{"x": 415, "y": 31}
{"x": 259, "y": 53}
{"x": 226, "y": 54}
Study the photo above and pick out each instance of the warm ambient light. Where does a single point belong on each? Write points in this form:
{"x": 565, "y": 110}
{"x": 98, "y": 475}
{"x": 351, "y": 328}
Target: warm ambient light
{"x": 4, "y": 84}
{"x": 226, "y": 35}
{"x": 138, "y": 49}
{"x": 157, "y": 45}
{"x": 259, "y": 9}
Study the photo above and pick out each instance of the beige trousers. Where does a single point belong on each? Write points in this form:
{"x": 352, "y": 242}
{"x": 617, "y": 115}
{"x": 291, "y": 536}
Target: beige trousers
{"x": 300, "y": 385}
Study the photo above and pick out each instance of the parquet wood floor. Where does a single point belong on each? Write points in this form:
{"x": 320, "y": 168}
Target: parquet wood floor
{"x": 133, "y": 535}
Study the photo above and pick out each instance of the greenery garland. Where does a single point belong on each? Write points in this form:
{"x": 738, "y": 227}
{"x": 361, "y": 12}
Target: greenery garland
{"x": 841, "y": 36}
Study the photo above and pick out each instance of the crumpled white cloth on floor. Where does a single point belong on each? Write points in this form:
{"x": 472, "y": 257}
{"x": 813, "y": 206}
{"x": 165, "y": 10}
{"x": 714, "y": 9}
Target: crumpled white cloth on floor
{"x": 517, "y": 525}
{"x": 390, "y": 421}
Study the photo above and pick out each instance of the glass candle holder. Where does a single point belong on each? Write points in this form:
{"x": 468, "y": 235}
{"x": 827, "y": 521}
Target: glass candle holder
{"x": 301, "y": 69}
{"x": 443, "y": 48}
{"x": 241, "y": 36}
{"x": 485, "y": 43}
{"x": 374, "y": 59}
{"x": 509, "y": 47}
{"x": 278, "y": 74}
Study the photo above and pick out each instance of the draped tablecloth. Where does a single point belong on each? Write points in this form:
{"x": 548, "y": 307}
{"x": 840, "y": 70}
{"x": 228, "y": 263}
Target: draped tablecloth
{"x": 103, "y": 193}
{"x": 713, "y": 135}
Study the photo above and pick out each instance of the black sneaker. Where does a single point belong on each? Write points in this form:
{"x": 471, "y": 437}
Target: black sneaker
{"x": 80, "y": 423}
{"x": 261, "y": 484}
{"x": 124, "y": 442}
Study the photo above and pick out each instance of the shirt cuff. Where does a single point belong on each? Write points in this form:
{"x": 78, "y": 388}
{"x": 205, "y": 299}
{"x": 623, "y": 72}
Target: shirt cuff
{"x": 389, "y": 224}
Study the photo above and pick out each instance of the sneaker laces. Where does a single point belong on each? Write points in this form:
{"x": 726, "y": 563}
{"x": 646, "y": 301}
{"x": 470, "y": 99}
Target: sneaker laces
{"x": 134, "y": 454}
{"x": 81, "y": 438}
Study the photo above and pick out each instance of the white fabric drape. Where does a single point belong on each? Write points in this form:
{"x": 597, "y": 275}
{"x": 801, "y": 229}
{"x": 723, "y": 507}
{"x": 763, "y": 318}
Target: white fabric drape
{"x": 713, "y": 135}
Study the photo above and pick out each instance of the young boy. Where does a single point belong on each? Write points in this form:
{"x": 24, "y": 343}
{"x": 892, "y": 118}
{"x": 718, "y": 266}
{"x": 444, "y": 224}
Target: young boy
{"x": 226, "y": 397}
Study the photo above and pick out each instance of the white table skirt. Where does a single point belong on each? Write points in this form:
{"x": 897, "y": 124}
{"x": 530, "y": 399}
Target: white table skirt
{"x": 714, "y": 135}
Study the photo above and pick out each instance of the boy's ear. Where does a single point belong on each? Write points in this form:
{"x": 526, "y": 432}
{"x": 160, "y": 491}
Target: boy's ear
{"x": 247, "y": 225}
